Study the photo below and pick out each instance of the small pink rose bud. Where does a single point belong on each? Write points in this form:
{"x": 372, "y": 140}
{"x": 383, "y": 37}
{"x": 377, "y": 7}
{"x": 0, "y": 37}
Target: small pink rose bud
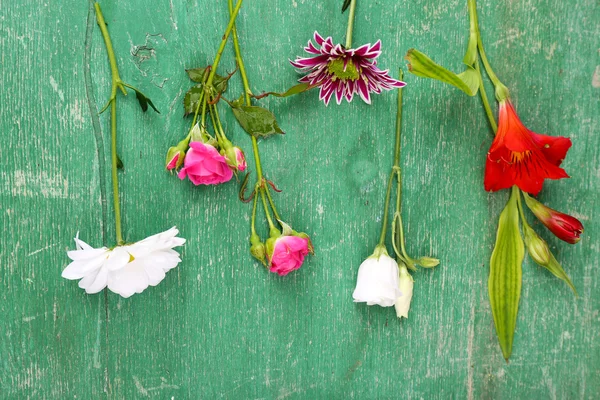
{"x": 175, "y": 158}
{"x": 205, "y": 166}
{"x": 240, "y": 159}
{"x": 563, "y": 226}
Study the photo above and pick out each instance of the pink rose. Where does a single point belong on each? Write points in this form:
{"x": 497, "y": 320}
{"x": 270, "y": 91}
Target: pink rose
{"x": 205, "y": 166}
{"x": 288, "y": 254}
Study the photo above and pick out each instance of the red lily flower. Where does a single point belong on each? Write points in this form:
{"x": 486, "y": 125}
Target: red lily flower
{"x": 521, "y": 157}
{"x": 564, "y": 226}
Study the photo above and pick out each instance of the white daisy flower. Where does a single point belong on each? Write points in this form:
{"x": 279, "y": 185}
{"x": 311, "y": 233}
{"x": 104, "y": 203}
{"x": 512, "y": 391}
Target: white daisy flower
{"x": 126, "y": 269}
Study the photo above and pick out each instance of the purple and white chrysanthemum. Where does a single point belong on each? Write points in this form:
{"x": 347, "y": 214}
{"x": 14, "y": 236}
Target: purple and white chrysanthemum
{"x": 344, "y": 72}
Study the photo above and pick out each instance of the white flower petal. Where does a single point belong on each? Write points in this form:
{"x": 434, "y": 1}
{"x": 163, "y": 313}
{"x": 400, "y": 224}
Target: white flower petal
{"x": 99, "y": 283}
{"x": 79, "y": 269}
{"x": 377, "y": 282}
{"x": 406, "y": 284}
{"x": 129, "y": 280}
{"x": 118, "y": 258}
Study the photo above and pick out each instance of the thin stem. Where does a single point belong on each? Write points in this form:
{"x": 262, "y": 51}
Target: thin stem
{"x": 247, "y": 93}
{"x": 197, "y": 111}
{"x": 395, "y": 169}
{"x": 486, "y": 64}
{"x": 388, "y": 195}
{"x": 485, "y": 101}
{"x": 266, "y": 207}
{"x": 271, "y": 202}
{"x": 115, "y": 178}
{"x": 350, "y": 24}
{"x": 520, "y": 206}
{"x": 228, "y": 30}
{"x": 253, "y": 220}
{"x": 219, "y": 125}
{"x": 238, "y": 57}
{"x": 116, "y": 84}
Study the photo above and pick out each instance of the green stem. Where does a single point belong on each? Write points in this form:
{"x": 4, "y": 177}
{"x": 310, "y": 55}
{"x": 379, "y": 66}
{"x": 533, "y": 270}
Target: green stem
{"x": 388, "y": 195}
{"x": 484, "y": 59}
{"x": 520, "y": 206}
{"x": 271, "y": 202}
{"x": 116, "y": 84}
{"x": 395, "y": 169}
{"x": 266, "y": 207}
{"x": 197, "y": 111}
{"x": 247, "y": 93}
{"x": 350, "y": 24}
{"x": 213, "y": 70}
{"x": 485, "y": 101}
{"x": 253, "y": 220}
{"x": 228, "y": 30}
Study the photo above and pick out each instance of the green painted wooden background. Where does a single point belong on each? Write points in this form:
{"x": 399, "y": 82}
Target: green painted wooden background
{"x": 220, "y": 326}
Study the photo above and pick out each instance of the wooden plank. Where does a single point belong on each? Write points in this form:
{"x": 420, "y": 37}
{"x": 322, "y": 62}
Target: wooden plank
{"x": 220, "y": 326}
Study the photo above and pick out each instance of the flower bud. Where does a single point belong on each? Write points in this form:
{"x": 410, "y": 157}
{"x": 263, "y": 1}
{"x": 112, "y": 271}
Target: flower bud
{"x": 303, "y": 235}
{"x": 563, "y": 226}
{"x": 428, "y": 262}
{"x": 257, "y": 248}
{"x": 240, "y": 159}
{"x": 405, "y": 285}
{"x": 175, "y": 158}
{"x": 537, "y": 247}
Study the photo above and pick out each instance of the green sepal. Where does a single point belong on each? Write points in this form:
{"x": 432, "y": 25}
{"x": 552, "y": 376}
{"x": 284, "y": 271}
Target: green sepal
{"x": 423, "y": 66}
{"x": 257, "y": 121}
{"x": 504, "y": 283}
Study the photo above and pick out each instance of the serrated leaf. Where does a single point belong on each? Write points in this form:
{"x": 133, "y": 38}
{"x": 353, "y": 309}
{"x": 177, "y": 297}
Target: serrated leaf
{"x": 257, "y": 121}
{"x": 190, "y": 101}
{"x": 144, "y": 101}
{"x": 504, "y": 283}
{"x": 197, "y": 74}
{"x": 220, "y": 83}
{"x": 423, "y": 66}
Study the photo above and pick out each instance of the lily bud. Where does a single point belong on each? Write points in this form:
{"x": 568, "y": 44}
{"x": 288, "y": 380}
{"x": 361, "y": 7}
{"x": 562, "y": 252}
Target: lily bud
{"x": 563, "y": 226}
{"x": 175, "y": 158}
{"x": 405, "y": 285}
{"x": 537, "y": 247}
{"x": 428, "y": 262}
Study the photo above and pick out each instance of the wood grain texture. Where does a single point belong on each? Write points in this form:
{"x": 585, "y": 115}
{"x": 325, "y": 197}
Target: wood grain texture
{"x": 220, "y": 326}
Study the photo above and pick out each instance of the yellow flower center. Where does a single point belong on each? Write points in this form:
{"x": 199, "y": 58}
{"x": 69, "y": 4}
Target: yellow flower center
{"x": 343, "y": 69}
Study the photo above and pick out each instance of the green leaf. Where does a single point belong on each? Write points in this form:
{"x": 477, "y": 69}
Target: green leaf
{"x": 257, "y": 121}
{"x": 296, "y": 89}
{"x": 190, "y": 101}
{"x": 220, "y": 83}
{"x": 504, "y": 283}
{"x": 423, "y": 66}
{"x": 346, "y": 5}
{"x": 198, "y": 74}
{"x": 144, "y": 101}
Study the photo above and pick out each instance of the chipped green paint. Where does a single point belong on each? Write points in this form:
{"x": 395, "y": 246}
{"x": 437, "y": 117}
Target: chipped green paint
{"x": 219, "y": 324}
